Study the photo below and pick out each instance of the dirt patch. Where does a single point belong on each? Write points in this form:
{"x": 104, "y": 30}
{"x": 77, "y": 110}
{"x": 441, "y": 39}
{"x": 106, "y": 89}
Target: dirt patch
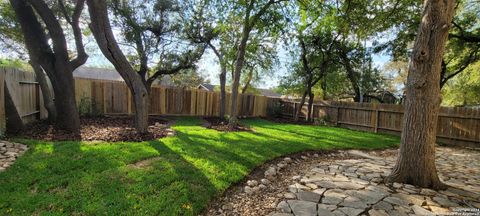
{"x": 234, "y": 201}
{"x": 110, "y": 129}
{"x": 222, "y": 125}
{"x": 144, "y": 163}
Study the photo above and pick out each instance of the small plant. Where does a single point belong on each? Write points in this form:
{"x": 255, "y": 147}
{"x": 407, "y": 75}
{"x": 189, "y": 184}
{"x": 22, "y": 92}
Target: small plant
{"x": 275, "y": 110}
{"x": 88, "y": 108}
{"x": 323, "y": 120}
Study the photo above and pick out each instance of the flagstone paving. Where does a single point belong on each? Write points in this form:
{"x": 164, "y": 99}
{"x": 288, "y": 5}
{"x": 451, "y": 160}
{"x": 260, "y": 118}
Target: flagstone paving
{"x": 355, "y": 187}
{"x": 9, "y": 153}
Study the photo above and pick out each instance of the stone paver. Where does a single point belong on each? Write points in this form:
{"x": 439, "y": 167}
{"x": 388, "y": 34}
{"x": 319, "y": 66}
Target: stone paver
{"x": 9, "y": 153}
{"x": 355, "y": 187}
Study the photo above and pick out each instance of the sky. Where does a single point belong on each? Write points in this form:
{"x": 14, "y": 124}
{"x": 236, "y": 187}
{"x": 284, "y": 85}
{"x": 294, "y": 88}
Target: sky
{"x": 208, "y": 65}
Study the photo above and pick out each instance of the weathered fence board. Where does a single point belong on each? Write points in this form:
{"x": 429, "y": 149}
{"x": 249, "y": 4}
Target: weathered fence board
{"x": 25, "y": 94}
{"x": 2, "y": 104}
{"x": 113, "y": 97}
{"x": 455, "y": 125}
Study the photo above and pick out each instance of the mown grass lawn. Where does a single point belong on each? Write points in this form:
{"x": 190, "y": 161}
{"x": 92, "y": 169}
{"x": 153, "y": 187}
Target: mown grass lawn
{"x": 81, "y": 178}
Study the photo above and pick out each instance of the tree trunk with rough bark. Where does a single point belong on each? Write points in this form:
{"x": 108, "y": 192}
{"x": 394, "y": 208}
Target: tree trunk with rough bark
{"x": 233, "y": 121}
{"x": 416, "y": 161}
{"x": 248, "y": 24}
{"x": 223, "y": 79}
{"x": 247, "y": 83}
{"x": 67, "y": 115}
{"x": 300, "y": 106}
{"x": 102, "y": 31}
{"x": 51, "y": 53}
{"x": 310, "y": 106}
{"x": 223, "y": 91}
{"x": 141, "y": 100}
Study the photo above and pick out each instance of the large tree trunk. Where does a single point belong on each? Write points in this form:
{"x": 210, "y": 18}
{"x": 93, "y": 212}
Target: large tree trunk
{"x": 233, "y": 121}
{"x": 102, "y": 31}
{"x": 416, "y": 161}
{"x": 247, "y": 83}
{"x": 141, "y": 101}
{"x": 223, "y": 92}
{"x": 46, "y": 92}
{"x": 67, "y": 116}
{"x": 351, "y": 74}
{"x": 300, "y": 106}
{"x": 310, "y": 106}
{"x": 223, "y": 80}
{"x": 55, "y": 62}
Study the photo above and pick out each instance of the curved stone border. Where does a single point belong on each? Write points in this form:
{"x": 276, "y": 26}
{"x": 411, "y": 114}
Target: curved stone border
{"x": 351, "y": 183}
{"x": 9, "y": 152}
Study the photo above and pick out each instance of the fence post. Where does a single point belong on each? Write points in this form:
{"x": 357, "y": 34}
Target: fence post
{"x": 338, "y": 115}
{"x": 294, "y": 109}
{"x": 377, "y": 112}
{"x": 2, "y": 103}
{"x": 37, "y": 100}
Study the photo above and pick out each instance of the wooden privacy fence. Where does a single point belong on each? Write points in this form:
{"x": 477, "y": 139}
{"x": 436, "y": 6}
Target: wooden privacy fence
{"x": 113, "y": 97}
{"x": 21, "y": 95}
{"x": 455, "y": 125}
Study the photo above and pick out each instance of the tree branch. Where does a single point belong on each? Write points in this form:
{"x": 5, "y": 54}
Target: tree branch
{"x": 77, "y": 32}
{"x": 53, "y": 26}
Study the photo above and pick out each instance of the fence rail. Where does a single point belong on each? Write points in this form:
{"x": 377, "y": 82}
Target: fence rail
{"x": 20, "y": 99}
{"x": 460, "y": 126}
{"x": 455, "y": 125}
{"x": 113, "y": 97}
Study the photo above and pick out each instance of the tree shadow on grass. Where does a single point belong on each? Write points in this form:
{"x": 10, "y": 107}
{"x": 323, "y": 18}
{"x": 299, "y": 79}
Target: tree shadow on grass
{"x": 91, "y": 179}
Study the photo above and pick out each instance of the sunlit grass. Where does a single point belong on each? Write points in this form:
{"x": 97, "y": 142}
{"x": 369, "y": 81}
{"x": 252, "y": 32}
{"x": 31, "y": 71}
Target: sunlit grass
{"x": 68, "y": 178}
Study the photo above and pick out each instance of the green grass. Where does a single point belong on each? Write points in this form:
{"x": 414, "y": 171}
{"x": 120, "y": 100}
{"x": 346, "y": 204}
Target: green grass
{"x": 82, "y": 178}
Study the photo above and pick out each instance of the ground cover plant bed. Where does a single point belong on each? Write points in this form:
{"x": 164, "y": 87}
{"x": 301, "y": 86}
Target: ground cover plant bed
{"x": 222, "y": 125}
{"x": 105, "y": 128}
{"x": 177, "y": 175}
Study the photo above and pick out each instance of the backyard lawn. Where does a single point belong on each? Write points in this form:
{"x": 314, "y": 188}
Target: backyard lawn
{"x": 183, "y": 174}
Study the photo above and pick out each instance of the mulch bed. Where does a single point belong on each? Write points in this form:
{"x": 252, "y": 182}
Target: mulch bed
{"x": 288, "y": 121}
{"x": 110, "y": 129}
{"x": 222, "y": 125}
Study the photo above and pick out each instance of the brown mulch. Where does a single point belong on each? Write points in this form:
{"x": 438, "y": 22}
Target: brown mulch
{"x": 288, "y": 121}
{"x": 222, "y": 125}
{"x": 110, "y": 129}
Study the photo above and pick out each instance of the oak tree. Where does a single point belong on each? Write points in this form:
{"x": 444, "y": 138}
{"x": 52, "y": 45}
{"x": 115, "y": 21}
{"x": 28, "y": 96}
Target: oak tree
{"x": 416, "y": 161}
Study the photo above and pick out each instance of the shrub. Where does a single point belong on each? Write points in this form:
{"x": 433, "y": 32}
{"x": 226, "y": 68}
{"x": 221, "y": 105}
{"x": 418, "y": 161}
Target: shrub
{"x": 88, "y": 108}
{"x": 275, "y": 110}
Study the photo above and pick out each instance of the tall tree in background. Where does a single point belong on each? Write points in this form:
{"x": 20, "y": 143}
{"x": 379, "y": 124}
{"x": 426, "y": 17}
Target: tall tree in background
{"x": 208, "y": 29}
{"x": 51, "y": 52}
{"x": 416, "y": 161}
{"x": 149, "y": 26}
{"x": 315, "y": 57}
{"x": 218, "y": 24}
{"x": 251, "y": 20}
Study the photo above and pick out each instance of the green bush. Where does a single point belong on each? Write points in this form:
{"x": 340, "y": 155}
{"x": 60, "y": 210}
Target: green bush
{"x": 88, "y": 108}
{"x": 275, "y": 110}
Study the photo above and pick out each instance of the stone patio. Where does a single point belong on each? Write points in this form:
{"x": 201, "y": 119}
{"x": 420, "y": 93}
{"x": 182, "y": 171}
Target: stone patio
{"x": 354, "y": 187}
{"x": 9, "y": 153}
